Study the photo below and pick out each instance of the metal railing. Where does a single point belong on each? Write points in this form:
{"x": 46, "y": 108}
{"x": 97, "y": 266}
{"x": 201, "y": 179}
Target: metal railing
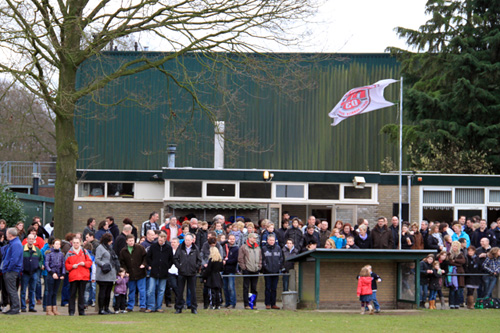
{"x": 21, "y": 173}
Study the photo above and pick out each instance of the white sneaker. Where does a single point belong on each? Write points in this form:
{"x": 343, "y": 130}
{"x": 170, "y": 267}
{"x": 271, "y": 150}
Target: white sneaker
{"x": 124, "y": 311}
{"x": 117, "y": 312}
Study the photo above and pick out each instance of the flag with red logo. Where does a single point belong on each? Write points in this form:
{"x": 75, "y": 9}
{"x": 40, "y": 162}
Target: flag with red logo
{"x": 361, "y": 100}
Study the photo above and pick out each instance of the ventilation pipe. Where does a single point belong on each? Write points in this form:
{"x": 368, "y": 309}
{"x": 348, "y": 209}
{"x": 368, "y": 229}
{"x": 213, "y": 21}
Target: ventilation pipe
{"x": 171, "y": 155}
{"x": 219, "y": 145}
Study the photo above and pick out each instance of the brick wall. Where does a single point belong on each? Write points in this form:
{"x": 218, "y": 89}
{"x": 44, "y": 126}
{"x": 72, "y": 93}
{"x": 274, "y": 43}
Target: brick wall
{"x": 389, "y": 194}
{"x": 338, "y": 284}
{"x": 136, "y": 211}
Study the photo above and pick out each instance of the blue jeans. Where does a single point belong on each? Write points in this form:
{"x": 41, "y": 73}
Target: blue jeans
{"x": 65, "y": 290}
{"x": 271, "y": 285}
{"x": 28, "y": 281}
{"x": 90, "y": 293}
{"x": 286, "y": 279}
{"x": 45, "y": 293}
{"x": 156, "y": 291}
{"x": 423, "y": 292}
{"x": 432, "y": 295}
{"x": 52, "y": 287}
{"x": 229, "y": 290}
{"x": 39, "y": 287}
{"x": 132, "y": 286}
{"x": 374, "y": 300}
{"x": 454, "y": 300}
{"x": 489, "y": 284}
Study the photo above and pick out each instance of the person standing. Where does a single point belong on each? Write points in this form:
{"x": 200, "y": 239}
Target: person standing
{"x": 150, "y": 224}
{"x": 212, "y": 278}
{"x": 121, "y": 241}
{"x": 250, "y": 261}
{"x": 12, "y": 265}
{"x": 159, "y": 259}
{"x": 381, "y": 235}
{"x": 289, "y": 251}
{"x": 230, "y": 262}
{"x": 54, "y": 263}
{"x": 113, "y": 228}
{"x": 272, "y": 263}
{"x": 32, "y": 263}
{"x": 187, "y": 259}
{"x": 107, "y": 266}
{"x": 133, "y": 259}
{"x": 173, "y": 274}
{"x": 77, "y": 264}
{"x": 90, "y": 227}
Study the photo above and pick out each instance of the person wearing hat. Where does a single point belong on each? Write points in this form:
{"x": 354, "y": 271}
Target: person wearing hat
{"x": 250, "y": 261}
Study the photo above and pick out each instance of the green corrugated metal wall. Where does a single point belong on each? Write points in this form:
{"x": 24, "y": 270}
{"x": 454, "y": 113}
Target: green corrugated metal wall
{"x": 128, "y": 124}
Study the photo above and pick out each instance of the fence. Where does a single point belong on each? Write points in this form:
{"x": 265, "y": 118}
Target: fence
{"x": 21, "y": 173}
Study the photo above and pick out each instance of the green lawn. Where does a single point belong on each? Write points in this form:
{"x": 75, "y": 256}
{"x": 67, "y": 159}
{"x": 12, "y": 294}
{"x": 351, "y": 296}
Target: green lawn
{"x": 262, "y": 321}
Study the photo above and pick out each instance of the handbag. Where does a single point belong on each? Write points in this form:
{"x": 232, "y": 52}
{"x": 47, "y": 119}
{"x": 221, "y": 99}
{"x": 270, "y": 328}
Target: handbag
{"x": 106, "y": 268}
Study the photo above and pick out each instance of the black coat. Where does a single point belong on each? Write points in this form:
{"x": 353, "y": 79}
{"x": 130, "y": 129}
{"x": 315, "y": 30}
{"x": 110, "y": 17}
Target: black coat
{"x": 212, "y": 276}
{"x": 288, "y": 265}
{"x": 119, "y": 243}
{"x": 296, "y": 235}
{"x": 160, "y": 259}
{"x": 424, "y": 276}
{"x": 382, "y": 238}
{"x": 363, "y": 244}
{"x": 435, "y": 280}
{"x": 432, "y": 243}
{"x": 473, "y": 265}
{"x": 115, "y": 231}
{"x": 187, "y": 264}
{"x": 230, "y": 256}
{"x": 272, "y": 258}
{"x": 404, "y": 241}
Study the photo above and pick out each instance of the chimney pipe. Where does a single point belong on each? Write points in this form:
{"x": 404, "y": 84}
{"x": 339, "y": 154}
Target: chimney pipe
{"x": 219, "y": 145}
{"x": 171, "y": 155}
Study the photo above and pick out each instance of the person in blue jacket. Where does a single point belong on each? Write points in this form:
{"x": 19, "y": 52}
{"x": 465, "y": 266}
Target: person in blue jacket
{"x": 12, "y": 265}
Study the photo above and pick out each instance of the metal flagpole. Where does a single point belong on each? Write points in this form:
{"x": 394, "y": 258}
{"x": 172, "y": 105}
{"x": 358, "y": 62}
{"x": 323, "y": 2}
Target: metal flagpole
{"x": 400, "y": 217}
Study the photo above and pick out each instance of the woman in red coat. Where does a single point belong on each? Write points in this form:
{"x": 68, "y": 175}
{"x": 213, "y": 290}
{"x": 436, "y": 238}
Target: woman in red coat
{"x": 78, "y": 263}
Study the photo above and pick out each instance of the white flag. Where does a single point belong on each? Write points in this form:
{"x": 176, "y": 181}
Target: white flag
{"x": 361, "y": 100}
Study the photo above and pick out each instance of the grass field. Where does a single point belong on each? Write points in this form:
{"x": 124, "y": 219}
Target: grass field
{"x": 262, "y": 321}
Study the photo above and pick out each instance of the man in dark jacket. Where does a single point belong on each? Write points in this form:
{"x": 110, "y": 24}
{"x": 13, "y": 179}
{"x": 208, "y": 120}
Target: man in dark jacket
{"x": 187, "y": 259}
{"x": 394, "y": 228}
{"x": 12, "y": 265}
{"x": 230, "y": 261}
{"x": 309, "y": 236}
{"x": 133, "y": 260}
{"x": 32, "y": 263}
{"x": 324, "y": 233}
{"x": 272, "y": 263}
{"x": 381, "y": 235}
{"x": 159, "y": 258}
{"x": 482, "y": 254}
{"x": 112, "y": 227}
{"x": 280, "y": 232}
{"x": 121, "y": 241}
{"x": 480, "y": 233}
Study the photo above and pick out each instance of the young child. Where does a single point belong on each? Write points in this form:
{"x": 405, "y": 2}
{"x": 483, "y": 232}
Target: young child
{"x": 364, "y": 291}
{"x": 238, "y": 235}
{"x": 121, "y": 291}
{"x": 434, "y": 284}
{"x": 339, "y": 239}
{"x": 90, "y": 288}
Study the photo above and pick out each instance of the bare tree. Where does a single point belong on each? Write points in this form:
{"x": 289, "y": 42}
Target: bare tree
{"x": 43, "y": 42}
{"x": 27, "y": 130}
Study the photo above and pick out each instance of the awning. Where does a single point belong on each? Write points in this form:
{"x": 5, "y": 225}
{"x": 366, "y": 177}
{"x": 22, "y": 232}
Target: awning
{"x": 219, "y": 206}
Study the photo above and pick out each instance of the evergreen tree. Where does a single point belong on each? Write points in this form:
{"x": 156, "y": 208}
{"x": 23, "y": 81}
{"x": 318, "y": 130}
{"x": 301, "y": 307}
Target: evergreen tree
{"x": 452, "y": 95}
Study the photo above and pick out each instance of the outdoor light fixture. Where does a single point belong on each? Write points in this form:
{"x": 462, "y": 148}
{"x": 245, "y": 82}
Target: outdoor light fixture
{"x": 359, "y": 182}
{"x": 268, "y": 176}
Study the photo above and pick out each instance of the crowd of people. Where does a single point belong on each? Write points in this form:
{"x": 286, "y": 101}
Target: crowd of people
{"x": 149, "y": 267}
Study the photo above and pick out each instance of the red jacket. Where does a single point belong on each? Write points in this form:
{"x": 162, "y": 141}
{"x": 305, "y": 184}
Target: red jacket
{"x": 364, "y": 285}
{"x": 81, "y": 272}
{"x": 167, "y": 230}
{"x": 39, "y": 242}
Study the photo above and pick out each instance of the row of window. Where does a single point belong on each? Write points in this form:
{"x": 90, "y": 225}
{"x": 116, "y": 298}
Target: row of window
{"x": 459, "y": 196}
{"x": 249, "y": 190}
{"x": 242, "y": 190}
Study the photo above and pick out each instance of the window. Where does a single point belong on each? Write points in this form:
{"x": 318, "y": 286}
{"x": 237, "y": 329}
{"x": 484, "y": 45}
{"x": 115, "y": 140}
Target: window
{"x": 290, "y": 191}
{"x": 185, "y": 189}
{"x": 221, "y": 190}
{"x": 494, "y": 196}
{"x": 350, "y": 192}
{"x": 255, "y": 190}
{"x": 91, "y": 190}
{"x": 469, "y": 196}
{"x": 121, "y": 190}
{"x": 437, "y": 197}
{"x": 324, "y": 191}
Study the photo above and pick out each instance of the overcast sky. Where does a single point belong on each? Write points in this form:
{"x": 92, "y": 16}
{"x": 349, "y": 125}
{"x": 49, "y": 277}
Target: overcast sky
{"x": 364, "y": 26}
